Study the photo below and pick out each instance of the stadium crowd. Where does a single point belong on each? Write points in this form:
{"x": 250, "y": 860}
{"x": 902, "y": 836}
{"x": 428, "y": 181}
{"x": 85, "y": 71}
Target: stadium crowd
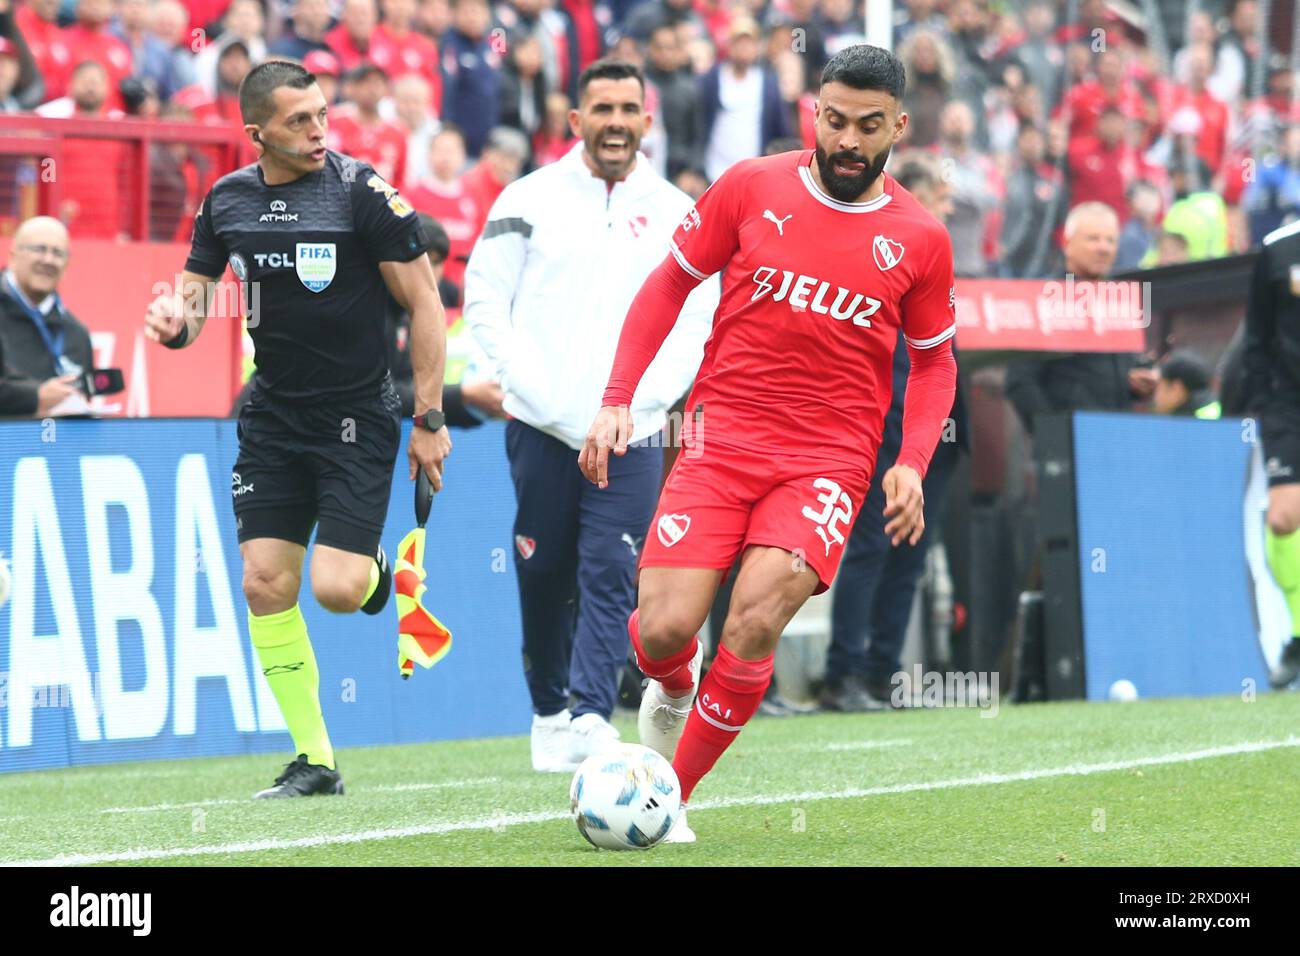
{"x": 1189, "y": 130}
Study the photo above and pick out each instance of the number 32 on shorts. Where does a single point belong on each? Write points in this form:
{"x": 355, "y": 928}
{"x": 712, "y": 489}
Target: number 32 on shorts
{"x": 837, "y": 508}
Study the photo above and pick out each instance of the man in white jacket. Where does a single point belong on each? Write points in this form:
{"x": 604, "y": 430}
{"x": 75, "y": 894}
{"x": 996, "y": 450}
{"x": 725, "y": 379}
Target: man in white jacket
{"x": 564, "y": 251}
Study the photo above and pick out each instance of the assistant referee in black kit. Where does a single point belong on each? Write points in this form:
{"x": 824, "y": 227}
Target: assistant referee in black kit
{"x": 1271, "y": 391}
{"x": 320, "y": 235}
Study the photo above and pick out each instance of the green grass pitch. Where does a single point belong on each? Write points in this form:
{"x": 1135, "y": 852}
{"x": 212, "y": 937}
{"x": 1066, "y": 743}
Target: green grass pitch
{"x": 1173, "y": 782}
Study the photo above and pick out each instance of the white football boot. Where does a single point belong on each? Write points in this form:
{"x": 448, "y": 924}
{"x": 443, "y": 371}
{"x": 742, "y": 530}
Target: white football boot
{"x": 662, "y": 717}
{"x": 589, "y": 734}
{"x": 681, "y": 831}
{"x": 550, "y": 744}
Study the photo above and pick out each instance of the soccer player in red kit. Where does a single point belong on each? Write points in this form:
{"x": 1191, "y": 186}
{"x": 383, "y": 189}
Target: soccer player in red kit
{"x": 823, "y": 257}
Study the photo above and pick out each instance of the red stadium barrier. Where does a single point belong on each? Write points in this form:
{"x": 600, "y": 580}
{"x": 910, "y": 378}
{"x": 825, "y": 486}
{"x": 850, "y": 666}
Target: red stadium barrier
{"x": 107, "y": 286}
{"x": 112, "y": 178}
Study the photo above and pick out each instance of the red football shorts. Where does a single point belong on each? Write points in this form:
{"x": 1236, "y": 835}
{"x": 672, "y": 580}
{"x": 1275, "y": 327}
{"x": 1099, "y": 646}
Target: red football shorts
{"x": 713, "y": 507}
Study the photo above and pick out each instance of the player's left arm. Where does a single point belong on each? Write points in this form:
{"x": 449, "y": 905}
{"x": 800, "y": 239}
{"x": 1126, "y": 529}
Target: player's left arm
{"x": 391, "y": 232}
{"x": 929, "y": 325}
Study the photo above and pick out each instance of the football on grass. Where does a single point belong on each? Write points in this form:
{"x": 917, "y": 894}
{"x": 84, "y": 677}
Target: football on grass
{"x": 625, "y": 798}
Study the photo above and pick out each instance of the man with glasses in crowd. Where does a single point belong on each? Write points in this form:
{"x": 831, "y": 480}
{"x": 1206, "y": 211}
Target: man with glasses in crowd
{"x": 44, "y": 349}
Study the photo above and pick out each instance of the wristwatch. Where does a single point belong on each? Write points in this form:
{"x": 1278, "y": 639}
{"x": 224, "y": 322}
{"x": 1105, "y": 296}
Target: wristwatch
{"x": 433, "y": 419}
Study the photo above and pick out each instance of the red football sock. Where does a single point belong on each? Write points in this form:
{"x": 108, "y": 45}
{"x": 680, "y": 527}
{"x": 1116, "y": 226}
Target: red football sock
{"x": 674, "y": 672}
{"x": 729, "y": 695}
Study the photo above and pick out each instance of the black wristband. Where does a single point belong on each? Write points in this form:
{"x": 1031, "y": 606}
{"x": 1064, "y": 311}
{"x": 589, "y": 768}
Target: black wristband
{"x": 181, "y": 338}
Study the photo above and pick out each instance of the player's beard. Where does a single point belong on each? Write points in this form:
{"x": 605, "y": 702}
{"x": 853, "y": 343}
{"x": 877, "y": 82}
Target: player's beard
{"x": 610, "y": 168}
{"x": 848, "y": 188}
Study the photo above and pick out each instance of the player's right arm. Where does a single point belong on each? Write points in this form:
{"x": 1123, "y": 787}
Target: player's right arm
{"x": 703, "y": 244}
{"x": 176, "y": 316}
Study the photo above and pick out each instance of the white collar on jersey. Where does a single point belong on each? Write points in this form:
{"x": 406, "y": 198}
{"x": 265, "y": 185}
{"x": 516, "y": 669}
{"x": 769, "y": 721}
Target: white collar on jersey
{"x": 879, "y": 202}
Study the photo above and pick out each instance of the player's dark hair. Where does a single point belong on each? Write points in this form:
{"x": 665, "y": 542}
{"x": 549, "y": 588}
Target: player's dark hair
{"x": 439, "y": 241}
{"x": 866, "y": 67}
{"x": 255, "y": 103}
{"x": 607, "y": 69}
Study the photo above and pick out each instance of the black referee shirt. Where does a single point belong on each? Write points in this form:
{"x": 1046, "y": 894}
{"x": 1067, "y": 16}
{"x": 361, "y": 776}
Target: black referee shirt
{"x": 1272, "y": 357}
{"x": 312, "y": 246}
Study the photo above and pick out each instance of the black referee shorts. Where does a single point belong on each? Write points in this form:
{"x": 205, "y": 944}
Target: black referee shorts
{"x": 330, "y": 462}
{"x": 1279, "y": 427}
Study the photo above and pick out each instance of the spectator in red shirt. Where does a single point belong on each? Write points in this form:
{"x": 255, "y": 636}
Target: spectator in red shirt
{"x": 38, "y": 22}
{"x": 406, "y": 51}
{"x": 412, "y": 100}
{"x": 555, "y": 138}
{"x": 1101, "y": 166}
{"x": 1083, "y": 104}
{"x": 356, "y": 129}
{"x": 1196, "y": 99}
{"x": 500, "y": 163}
{"x": 353, "y": 40}
{"x": 92, "y": 173}
{"x": 90, "y": 39}
{"x": 443, "y": 195}
{"x": 324, "y": 65}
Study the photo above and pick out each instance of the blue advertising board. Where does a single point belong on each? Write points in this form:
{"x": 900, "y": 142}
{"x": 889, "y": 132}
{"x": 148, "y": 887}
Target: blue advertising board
{"x": 1175, "y": 593}
{"x": 125, "y": 636}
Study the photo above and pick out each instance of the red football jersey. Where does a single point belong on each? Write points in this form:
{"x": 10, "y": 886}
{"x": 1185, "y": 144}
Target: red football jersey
{"x": 813, "y": 293}
{"x": 382, "y": 145}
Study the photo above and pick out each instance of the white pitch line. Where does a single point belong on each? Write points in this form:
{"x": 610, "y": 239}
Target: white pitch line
{"x": 862, "y": 745}
{"x": 516, "y": 819}
{"x": 388, "y": 788}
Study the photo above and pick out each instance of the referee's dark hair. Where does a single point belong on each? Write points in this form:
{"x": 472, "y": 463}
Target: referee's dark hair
{"x": 866, "y": 67}
{"x": 255, "y": 92}
{"x": 609, "y": 69}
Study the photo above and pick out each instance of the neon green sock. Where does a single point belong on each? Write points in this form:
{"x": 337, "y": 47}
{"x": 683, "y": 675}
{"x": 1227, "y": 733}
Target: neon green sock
{"x": 1284, "y": 561}
{"x": 287, "y": 660}
{"x": 374, "y": 581}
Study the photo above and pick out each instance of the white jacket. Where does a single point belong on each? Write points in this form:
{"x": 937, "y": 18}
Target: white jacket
{"x": 549, "y": 284}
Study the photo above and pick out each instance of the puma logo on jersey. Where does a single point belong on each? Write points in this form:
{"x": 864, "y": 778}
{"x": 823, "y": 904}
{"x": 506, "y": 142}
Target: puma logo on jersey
{"x": 672, "y": 528}
{"x": 633, "y": 544}
{"x": 780, "y": 223}
{"x": 797, "y": 290}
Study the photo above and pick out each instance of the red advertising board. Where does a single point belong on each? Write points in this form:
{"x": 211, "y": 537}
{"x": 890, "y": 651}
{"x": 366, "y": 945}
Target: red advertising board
{"x": 1058, "y": 315}
{"x": 108, "y": 286}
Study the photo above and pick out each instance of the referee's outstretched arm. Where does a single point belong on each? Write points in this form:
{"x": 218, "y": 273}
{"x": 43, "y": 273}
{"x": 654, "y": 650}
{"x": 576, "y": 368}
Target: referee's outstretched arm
{"x": 176, "y": 318}
{"x": 414, "y": 287}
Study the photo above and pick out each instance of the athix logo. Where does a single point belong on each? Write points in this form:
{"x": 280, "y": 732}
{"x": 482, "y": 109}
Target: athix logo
{"x": 278, "y": 214}
{"x": 798, "y": 288}
{"x": 74, "y": 909}
{"x": 780, "y": 223}
{"x": 237, "y": 486}
{"x": 887, "y": 253}
{"x": 526, "y": 546}
{"x": 672, "y": 528}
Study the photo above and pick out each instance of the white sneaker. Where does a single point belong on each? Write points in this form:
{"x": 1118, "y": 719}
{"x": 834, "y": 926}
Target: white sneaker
{"x": 663, "y": 717}
{"x": 550, "y": 744}
{"x": 589, "y": 734}
{"x": 681, "y": 832}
